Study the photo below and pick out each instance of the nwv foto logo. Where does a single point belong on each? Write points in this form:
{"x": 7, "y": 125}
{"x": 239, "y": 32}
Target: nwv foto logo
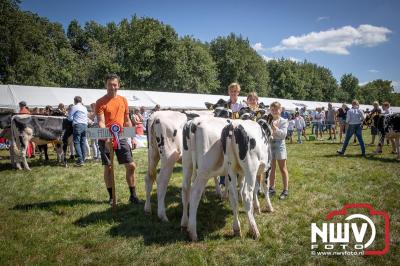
{"x": 337, "y": 235}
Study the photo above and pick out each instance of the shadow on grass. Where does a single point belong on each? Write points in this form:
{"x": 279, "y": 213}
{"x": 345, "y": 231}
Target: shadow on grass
{"x": 327, "y": 143}
{"x": 52, "y": 206}
{"x": 371, "y": 157}
{"x": 131, "y": 221}
{"x": 33, "y": 162}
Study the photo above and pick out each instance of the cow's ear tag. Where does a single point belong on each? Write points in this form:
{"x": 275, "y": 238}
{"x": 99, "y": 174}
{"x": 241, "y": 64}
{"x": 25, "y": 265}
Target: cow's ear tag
{"x": 237, "y": 115}
{"x": 258, "y": 115}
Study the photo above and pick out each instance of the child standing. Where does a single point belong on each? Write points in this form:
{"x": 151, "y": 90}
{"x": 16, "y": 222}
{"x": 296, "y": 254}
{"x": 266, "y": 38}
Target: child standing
{"x": 278, "y": 149}
{"x": 290, "y": 129}
{"x": 300, "y": 125}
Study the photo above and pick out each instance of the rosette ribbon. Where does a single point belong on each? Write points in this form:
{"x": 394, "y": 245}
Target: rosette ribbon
{"x": 115, "y": 129}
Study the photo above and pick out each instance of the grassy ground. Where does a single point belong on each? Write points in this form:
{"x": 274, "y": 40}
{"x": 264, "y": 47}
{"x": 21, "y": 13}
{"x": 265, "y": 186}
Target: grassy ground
{"x": 54, "y": 215}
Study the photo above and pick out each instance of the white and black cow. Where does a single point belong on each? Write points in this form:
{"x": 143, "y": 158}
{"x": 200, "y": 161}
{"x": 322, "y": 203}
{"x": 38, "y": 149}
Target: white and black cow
{"x": 389, "y": 127}
{"x": 246, "y": 149}
{"x": 165, "y": 145}
{"x": 37, "y": 128}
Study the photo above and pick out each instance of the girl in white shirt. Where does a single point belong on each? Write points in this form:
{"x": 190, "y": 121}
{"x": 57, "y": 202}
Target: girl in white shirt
{"x": 278, "y": 149}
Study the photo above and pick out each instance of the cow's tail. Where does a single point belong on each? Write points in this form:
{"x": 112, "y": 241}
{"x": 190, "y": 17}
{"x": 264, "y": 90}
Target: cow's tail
{"x": 193, "y": 146}
{"x": 227, "y": 139}
{"x": 15, "y": 143}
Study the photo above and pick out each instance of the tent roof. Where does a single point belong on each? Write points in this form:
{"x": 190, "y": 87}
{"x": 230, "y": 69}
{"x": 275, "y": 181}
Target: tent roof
{"x": 36, "y": 96}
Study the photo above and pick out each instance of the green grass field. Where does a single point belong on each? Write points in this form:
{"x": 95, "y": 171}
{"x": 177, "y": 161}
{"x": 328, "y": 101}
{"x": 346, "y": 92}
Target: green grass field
{"x": 54, "y": 215}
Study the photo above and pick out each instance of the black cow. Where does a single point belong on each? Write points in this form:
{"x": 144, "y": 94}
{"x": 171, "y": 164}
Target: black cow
{"x": 389, "y": 126}
{"x": 39, "y": 129}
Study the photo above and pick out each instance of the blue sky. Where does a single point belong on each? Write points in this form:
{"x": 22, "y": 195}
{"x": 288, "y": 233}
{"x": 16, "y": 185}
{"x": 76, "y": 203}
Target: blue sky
{"x": 359, "y": 37}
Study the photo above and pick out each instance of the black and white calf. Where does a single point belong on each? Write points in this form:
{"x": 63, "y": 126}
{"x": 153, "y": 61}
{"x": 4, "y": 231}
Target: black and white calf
{"x": 246, "y": 149}
{"x": 389, "y": 127}
{"x": 165, "y": 144}
{"x": 37, "y": 128}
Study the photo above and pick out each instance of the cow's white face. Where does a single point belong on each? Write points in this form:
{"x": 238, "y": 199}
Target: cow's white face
{"x": 112, "y": 87}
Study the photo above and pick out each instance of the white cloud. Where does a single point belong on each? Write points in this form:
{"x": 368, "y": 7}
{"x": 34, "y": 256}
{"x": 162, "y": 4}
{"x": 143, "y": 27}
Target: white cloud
{"x": 373, "y": 71}
{"x": 258, "y": 47}
{"x": 322, "y": 18}
{"x": 294, "y": 59}
{"x": 363, "y": 83}
{"x": 335, "y": 41}
{"x": 266, "y": 58}
{"x": 396, "y": 85}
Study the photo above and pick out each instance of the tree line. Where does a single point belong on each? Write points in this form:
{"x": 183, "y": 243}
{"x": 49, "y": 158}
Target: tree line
{"x": 149, "y": 55}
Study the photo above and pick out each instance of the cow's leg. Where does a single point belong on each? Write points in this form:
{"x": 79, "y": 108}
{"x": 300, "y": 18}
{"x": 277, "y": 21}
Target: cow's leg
{"x": 265, "y": 184}
{"x": 24, "y": 146}
{"x": 153, "y": 159}
{"x": 250, "y": 176}
{"x": 218, "y": 190}
{"x": 241, "y": 189}
{"x": 167, "y": 166}
{"x": 256, "y": 203}
{"x": 12, "y": 155}
{"x": 195, "y": 194}
{"x": 233, "y": 198}
{"x": 186, "y": 184}
{"x": 397, "y": 140}
{"x": 16, "y": 155}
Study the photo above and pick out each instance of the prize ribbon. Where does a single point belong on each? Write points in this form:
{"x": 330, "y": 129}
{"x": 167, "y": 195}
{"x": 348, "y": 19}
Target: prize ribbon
{"x": 115, "y": 129}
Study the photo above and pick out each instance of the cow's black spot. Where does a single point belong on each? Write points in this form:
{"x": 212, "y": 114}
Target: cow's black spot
{"x": 157, "y": 121}
{"x": 224, "y": 136}
{"x": 193, "y": 128}
{"x": 175, "y": 131}
{"x": 242, "y": 140}
{"x": 229, "y": 178}
{"x": 21, "y": 140}
{"x": 186, "y": 136}
{"x": 267, "y": 173}
{"x": 252, "y": 143}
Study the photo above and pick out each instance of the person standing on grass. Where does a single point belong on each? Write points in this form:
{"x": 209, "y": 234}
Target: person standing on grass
{"x": 290, "y": 129}
{"x": 278, "y": 150}
{"x": 354, "y": 119}
{"x": 375, "y": 112}
{"x": 300, "y": 126}
{"x": 113, "y": 109}
{"x": 79, "y": 117}
{"x": 341, "y": 116}
{"x": 330, "y": 122}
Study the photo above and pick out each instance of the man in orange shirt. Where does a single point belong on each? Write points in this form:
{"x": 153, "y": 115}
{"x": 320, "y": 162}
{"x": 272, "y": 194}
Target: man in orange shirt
{"x": 113, "y": 109}
{"x": 23, "y": 109}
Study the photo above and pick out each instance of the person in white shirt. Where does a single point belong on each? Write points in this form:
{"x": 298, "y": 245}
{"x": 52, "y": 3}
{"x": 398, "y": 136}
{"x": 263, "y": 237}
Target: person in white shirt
{"x": 278, "y": 149}
{"x": 79, "y": 117}
{"x": 300, "y": 125}
{"x": 354, "y": 119}
{"x": 290, "y": 129}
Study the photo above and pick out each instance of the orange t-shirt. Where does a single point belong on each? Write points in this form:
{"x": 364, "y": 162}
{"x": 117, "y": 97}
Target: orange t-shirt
{"x": 24, "y": 110}
{"x": 114, "y": 109}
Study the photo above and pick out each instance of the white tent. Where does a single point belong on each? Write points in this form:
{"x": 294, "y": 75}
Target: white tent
{"x": 36, "y": 96}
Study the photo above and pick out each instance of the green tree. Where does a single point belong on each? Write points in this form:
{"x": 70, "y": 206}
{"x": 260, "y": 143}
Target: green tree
{"x": 349, "y": 84}
{"x": 238, "y": 62}
{"x": 197, "y": 71}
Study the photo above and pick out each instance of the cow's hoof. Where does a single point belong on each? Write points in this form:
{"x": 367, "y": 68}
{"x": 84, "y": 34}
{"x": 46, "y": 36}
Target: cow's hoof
{"x": 163, "y": 217}
{"x": 255, "y": 234}
{"x": 268, "y": 210}
{"x": 237, "y": 233}
{"x": 192, "y": 236}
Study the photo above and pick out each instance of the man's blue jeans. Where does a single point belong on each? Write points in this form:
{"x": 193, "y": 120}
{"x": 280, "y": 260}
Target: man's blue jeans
{"x": 79, "y": 135}
{"x": 354, "y": 129}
